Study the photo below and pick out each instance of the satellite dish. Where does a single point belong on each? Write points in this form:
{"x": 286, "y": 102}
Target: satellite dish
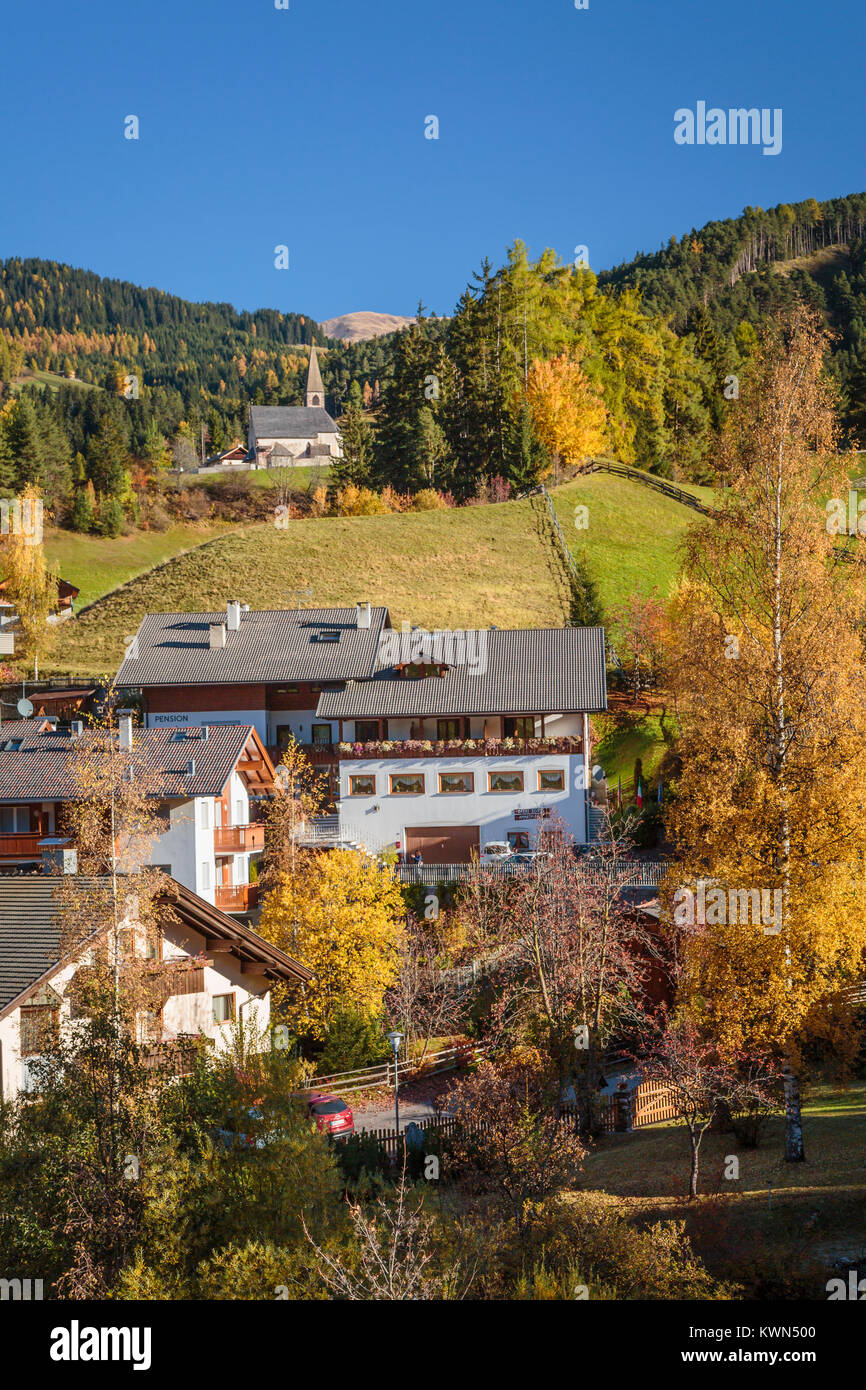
{"x": 598, "y": 773}
{"x": 25, "y": 708}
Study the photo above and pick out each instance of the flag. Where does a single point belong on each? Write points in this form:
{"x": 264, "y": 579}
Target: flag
{"x": 660, "y": 790}
{"x": 639, "y": 797}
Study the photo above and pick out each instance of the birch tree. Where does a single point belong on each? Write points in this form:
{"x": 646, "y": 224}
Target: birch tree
{"x": 771, "y": 695}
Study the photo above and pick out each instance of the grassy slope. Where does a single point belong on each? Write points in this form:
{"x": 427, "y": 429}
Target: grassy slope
{"x": 818, "y": 1207}
{"x": 633, "y": 533}
{"x": 466, "y": 567}
{"x": 98, "y": 565}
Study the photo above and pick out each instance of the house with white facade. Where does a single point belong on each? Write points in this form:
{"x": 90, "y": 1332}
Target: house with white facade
{"x": 292, "y": 435}
{"x": 209, "y": 970}
{"x": 435, "y": 743}
{"x": 460, "y": 739}
{"x": 208, "y": 783}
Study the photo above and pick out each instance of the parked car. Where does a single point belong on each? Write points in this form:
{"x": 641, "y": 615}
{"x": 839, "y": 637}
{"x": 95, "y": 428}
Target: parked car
{"x": 531, "y": 856}
{"x": 332, "y": 1114}
{"x": 496, "y": 852}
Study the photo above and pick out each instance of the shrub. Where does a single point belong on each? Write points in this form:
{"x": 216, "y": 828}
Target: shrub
{"x": 354, "y": 1040}
{"x": 428, "y": 500}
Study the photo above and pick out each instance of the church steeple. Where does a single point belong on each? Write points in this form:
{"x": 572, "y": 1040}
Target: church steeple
{"x": 315, "y": 390}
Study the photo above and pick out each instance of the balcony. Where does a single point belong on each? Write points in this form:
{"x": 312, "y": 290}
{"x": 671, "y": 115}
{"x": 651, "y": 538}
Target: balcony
{"x": 317, "y": 754}
{"x": 460, "y": 748}
{"x": 24, "y": 846}
{"x": 243, "y": 897}
{"x": 238, "y": 839}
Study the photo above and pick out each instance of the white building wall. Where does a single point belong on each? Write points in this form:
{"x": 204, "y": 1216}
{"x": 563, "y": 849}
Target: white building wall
{"x": 383, "y": 818}
{"x": 187, "y": 845}
{"x": 194, "y": 719}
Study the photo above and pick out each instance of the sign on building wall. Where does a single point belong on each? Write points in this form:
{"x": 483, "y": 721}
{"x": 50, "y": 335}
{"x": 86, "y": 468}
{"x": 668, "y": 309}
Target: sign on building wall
{"x": 532, "y": 813}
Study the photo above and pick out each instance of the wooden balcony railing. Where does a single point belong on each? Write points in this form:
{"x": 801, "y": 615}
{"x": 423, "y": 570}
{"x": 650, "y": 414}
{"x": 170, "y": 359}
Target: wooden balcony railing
{"x": 24, "y": 846}
{"x": 317, "y": 754}
{"x": 243, "y": 897}
{"x": 238, "y": 839}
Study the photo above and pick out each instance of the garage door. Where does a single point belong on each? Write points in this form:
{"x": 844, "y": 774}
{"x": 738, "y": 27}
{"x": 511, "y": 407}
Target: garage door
{"x": 443, "y": 844}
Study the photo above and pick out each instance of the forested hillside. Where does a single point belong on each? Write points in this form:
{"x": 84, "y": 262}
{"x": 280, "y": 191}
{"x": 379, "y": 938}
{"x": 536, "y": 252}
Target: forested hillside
{"x": 541, "y": 365}
{"x": 717, "y": 277}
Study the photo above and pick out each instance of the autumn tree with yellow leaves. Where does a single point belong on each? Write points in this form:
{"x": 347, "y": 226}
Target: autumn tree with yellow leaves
{"x": 771, "y": 693}
{"x": 29, "y": 586}
{"x": 343, "y": 915}
{"x": 568, "y": 413}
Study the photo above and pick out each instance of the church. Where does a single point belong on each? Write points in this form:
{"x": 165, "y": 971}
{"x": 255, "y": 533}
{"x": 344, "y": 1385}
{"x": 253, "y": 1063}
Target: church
{"x": 291, "y": 435}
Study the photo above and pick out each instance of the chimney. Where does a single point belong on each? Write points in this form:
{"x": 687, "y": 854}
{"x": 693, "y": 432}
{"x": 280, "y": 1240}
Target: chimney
{"x": 217, "y": 634}
{"x": 58, "y": 856}
{"x": 124, "y": 724}
{"x": 364, "y": 615}
{"x": 132, "y": 653}
{"x": 233, "y": 614}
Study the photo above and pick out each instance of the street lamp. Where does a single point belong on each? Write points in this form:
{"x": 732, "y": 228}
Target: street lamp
{"x": 395, "y": 1040}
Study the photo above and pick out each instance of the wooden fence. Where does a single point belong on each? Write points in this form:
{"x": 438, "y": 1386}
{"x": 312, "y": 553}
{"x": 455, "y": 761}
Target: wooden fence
{"x": 651, "y": 1103}
{"x": 371, "y": 1078}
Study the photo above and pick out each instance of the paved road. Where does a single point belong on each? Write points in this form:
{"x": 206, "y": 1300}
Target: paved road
{"x": 383, "y": 1116}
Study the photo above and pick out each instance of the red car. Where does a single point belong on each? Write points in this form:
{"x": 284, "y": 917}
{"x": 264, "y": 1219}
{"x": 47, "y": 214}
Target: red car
{"x": 332, "y": 1114}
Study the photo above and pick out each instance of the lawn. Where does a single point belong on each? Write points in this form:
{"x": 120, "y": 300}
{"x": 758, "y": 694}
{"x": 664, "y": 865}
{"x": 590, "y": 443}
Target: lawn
{"x": 617, "y": 749}
{"x": 633, "y": 534}
{"x": 98, "y": 564}
{"x": 807, "y": 1212}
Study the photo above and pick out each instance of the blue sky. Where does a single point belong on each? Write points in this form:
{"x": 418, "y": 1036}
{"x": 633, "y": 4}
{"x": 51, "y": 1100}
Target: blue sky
{"x": 305, "y": 127}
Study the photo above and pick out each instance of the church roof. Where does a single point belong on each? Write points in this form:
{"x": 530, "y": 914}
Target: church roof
{"x": 290, "y": 421}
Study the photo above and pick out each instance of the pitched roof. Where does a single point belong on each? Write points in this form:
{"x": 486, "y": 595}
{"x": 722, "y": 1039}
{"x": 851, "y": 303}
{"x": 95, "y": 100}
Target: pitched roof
{"x": 496, "y": 671}
{"x": 282, "y": 645}
{"x": 30, "y": 931}
{"x": 40, "y": 768}
{"x": 290, "y": 421}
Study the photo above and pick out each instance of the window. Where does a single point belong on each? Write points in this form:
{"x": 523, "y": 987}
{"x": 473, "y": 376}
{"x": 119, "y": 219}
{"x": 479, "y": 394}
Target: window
{"x": 367, "y": 731}
{"x": 38, "y": 1028}
{"x": 407, "y": 784}
{"x": 505, "y": 781}
{"x": 240, "y": 816}
{"x": 518, "y": 839}
{"x": 520, "y": 726}
{"x": 448, "y": 728}
{"x": 321, "y": 733}
{"x": 14, "y": 820}
{"x": 362, "y": 786}
{"x": 551, "y": 779}
{"x": 450, "y": 783}
{"x": 223, "y": 1008}
{"x": 327, "y": 635}
{"x": 205, "y": 815}
{"x": 205, "y": 874}
{"x": 218, "y": 814}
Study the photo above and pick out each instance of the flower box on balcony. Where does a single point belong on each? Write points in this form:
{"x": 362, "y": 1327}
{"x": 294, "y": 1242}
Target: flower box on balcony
{"x": 460, "y": 748}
